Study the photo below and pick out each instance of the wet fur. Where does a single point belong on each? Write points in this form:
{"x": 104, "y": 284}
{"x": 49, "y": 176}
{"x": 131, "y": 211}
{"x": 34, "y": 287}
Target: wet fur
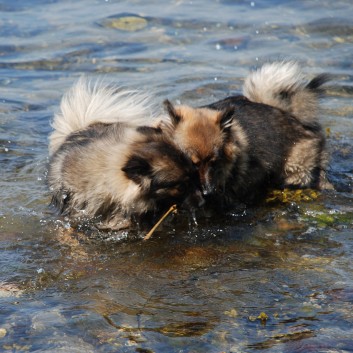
{"x": 268, "y": 138}
{"x": 113, "y": 170}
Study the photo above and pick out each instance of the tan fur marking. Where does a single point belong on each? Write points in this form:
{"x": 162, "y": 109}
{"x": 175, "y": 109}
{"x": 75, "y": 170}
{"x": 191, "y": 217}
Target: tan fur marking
{"x": 199, "y": 133}
{"x": 195, "y": 159}
{"x": 301, "y": 161}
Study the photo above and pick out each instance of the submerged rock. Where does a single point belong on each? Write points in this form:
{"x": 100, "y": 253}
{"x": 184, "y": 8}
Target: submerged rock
{"x": 126, "y": 22}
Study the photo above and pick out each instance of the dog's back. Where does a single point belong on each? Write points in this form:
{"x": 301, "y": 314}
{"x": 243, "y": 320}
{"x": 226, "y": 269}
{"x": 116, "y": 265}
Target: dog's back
{"x": 283, "y": 85}
{"x": 277, "y": 141}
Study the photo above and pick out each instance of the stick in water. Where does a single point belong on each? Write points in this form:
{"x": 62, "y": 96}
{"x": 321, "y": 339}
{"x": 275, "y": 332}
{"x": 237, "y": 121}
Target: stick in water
{"x": 149, "y": 234}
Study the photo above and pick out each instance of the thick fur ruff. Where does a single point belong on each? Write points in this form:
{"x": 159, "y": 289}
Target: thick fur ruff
{"x": 269, "y": 138}
{"x": 283, "y": 85}
{"x": 105, "y": 166}
{"x": 87, "y": 103}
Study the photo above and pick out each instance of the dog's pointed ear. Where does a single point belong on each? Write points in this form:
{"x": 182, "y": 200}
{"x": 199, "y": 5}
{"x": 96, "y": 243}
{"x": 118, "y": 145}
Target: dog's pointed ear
{"x": 226, "y": 118}
{"x": 136, "y": 168}
{"x": 174, "y": 116}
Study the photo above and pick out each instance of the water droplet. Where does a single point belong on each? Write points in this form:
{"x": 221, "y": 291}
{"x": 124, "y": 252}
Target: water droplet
{"x": 194, "y": 219}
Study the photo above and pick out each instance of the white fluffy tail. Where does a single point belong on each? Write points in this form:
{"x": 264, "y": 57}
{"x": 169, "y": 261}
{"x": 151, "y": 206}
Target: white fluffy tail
{"x": 86, "y": 103}
{"x": 283, "y": 85}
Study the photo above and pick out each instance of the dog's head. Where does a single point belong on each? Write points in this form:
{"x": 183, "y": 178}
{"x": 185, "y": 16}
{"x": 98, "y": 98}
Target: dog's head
{"x": 205, "y": 135}
{"x": 165, "y": 175}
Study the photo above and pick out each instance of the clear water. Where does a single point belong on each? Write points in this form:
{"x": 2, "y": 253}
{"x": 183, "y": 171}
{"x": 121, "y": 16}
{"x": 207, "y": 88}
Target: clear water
{"x": 189, "y": 288}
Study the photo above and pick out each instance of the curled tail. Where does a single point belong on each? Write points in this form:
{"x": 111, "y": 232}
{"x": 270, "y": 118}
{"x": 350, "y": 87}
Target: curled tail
{"x": 283, "y": 85}
{"x": 86, "y": 103}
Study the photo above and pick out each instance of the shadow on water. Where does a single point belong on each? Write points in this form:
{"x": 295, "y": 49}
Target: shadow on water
{"x": 276, "y": 278}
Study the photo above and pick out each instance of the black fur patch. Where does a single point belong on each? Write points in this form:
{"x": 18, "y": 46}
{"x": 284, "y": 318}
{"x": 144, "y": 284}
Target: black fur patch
{"x": 172, "y": 112}
{"x": 177, "y": 156}
{"x": 86, "y": 136}
{"x": 93, "y": 131}
{"x": 318, "y": 81}
{"x": 148, "y": 130}
{"x": 285, "y": 95}
{"x": 136, "y": 167}
{"x": 224, "y": 104}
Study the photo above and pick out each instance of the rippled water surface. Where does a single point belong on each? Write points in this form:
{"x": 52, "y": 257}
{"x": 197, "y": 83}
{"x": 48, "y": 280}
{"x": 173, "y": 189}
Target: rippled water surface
{"x": 276, "y": 278}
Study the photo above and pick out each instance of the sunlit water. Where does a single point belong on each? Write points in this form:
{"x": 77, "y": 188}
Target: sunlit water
{"x": 190, "y": 288}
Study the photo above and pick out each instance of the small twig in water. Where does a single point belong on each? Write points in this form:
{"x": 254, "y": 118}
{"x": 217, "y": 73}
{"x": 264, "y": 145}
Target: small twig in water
{"x": 149, "y": 234}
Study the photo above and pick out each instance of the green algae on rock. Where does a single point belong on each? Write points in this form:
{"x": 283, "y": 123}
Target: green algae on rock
{"x": 126, "y": 22}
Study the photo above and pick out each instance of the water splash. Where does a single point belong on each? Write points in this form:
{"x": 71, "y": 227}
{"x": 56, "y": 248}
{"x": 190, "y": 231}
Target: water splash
{"x": 193, "y": 217}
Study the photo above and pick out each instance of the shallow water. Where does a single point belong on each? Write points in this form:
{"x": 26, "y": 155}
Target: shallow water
{"x": 189, "y": 288}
